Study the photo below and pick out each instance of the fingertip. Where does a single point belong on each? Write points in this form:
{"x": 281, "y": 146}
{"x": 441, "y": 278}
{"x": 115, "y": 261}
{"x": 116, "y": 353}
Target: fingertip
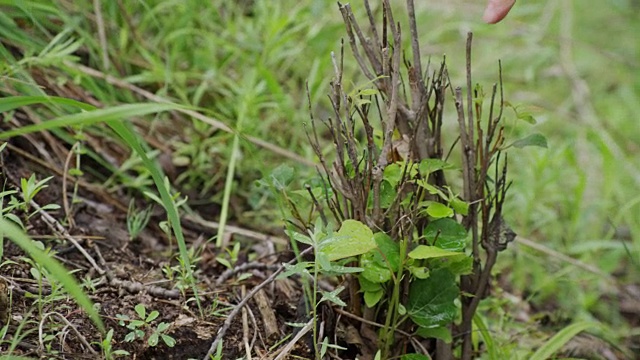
{"x": 497, "y": 10}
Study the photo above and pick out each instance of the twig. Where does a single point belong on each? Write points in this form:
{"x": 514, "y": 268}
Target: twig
{"x": 197, "y": 219}
{"x": 227, "y": 274}
{"x": 65, "y": 175}
{"x": 287, "y": 348}
{"x": 82, "y": 339}
{"x": 102, "y": 37}
{"x": 244, "y": 301}
{"x": 57, "y": 227}
{"x": 245, "y": 328}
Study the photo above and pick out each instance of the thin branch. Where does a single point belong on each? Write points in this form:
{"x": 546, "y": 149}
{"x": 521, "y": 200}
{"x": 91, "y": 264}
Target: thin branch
{"x": 243, "y": 302}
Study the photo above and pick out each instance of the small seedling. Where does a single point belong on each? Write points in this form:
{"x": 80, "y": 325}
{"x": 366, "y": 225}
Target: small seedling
{"x": 107, "y": 349}
{"x": 140, "y": 327}
{"x": 137, "y": 219}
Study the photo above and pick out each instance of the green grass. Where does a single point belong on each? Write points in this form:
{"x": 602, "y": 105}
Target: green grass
{"x": 573, "y": 64}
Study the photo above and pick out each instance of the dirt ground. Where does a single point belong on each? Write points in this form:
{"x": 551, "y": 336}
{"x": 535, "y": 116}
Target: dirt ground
{"x": 127, "y": 273}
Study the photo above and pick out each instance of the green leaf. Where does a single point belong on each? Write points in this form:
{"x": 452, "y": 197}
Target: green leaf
{"x": 354, "y": 238}
{"x": 522, "y": 112}
{"x": 536, "y": 139}
{"x": 366, "y": 285}
{"x": 380, "y": 263}
{"x": 14, "y": 102}
{"x": 440, "y": 332}
{"x": 387, "y": 195}
{"x": 368, "y": 92}
{"x": 300, "y": 268}
{"x": 115, "y": 113}
{"x": 300, "y": 237}
{"x": 459, "y": 265}
{"x": 371, "y": 298}
{"x": 438, "y": 210}
{"x": 130, "y": 337}
{"x": 154, "y": 315}
{"x": 402, "y": 310}
{"x": 153, "y": 339}
{"x": 492, "y": 350}
{"x": 420, "y": 272}
{"x": 282, "y": 176}
{"x": 447, "y": 233}
{"x": 431, "y": 252}
{"x": 393, "y": 173}
{"x": 333, "y": 296}
{"x": 415, "y": 357}
{"x": 140, "y": 310}
{"x": 428, "y": 166}
{"x": 431, "y": 301}
{"x": 168, "y": 340}
{"x": 560, "y": 339}
{"x": 459, "y": 206}
{"x": 125, "y": 131}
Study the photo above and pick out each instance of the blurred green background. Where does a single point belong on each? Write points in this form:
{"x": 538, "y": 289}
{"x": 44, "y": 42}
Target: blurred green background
{"x": 573, "y": 64}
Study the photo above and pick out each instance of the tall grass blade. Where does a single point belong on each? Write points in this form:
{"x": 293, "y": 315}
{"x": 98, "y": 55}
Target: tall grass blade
{"x": 560, "y": 339}
{"x": 136, "y": 144}
{"x": 91, "y": 117}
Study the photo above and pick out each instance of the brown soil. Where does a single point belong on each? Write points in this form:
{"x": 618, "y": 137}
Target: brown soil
{"x": 131, "y": 273}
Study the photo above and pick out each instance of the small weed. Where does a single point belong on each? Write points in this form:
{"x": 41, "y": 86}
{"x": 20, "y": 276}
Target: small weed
{"x": 142, "y": 327}
{"x": 137, "y": 220}
{"x": 232, "y": 256}
{"x": 107, "y": 349}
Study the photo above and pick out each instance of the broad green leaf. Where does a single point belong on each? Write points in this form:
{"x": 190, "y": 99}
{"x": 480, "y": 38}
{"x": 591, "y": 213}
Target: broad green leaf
{"x": 431, "y": 252}
{"x": 394, "y": 171}
{"x": 531, "y": 140}
{"x": 440, "y": 332}
{"x": 380, "y": 263}
{"x": 447, "y": 234}
{"x": 354, "y": 238}
{"x": 439, "y": 211}
{"x": 428, "y": 166}
{"x": 560, "y": 339}
{"x": 431, "y": 301}
{"x": 168, "y": 340}
{"x": 152, "y": 316}
{"x": 371, "y": 298}
{"x": 459, "y": 206}
{"x": 140, "y": 310}
{"x": 387, "y": 194}
{"x": 282, "y": 176}
{"x": 366, "y": 285}
{"x": 458, "y": 265}
{"x": 153, "y": 339}
{"x": 57, "y": 271}
{"x": 420, "y": 272}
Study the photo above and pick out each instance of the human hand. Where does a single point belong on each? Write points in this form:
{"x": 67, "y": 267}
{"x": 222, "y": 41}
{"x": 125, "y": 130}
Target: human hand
{"x": 496, "y": 10}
